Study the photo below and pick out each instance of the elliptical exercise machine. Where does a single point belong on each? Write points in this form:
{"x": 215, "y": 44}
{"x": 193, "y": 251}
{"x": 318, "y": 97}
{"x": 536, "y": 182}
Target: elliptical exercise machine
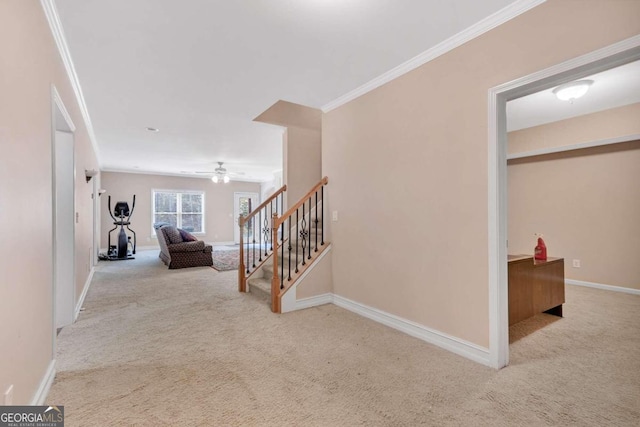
{"x": 125, "y": 249}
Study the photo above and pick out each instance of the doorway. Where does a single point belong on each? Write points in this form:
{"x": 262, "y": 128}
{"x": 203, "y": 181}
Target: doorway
{"x": 244, "y": 204}
{"x": 95, "y": 235}
{"x": 63, "y": 207}
{"x": 600, "y": 60}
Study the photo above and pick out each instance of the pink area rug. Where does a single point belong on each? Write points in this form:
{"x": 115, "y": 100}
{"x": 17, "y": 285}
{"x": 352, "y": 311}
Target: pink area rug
{"x": 226, "y": 259}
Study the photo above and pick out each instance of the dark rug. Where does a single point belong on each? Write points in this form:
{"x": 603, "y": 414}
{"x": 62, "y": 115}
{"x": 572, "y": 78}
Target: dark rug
{"x": 226, "y": 260}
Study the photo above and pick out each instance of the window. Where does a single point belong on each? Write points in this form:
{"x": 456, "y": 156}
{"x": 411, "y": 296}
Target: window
{"x": 183, "y": 209}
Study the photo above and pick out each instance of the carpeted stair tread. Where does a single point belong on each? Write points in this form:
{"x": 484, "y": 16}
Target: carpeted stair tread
{"x": 260, "y": 286}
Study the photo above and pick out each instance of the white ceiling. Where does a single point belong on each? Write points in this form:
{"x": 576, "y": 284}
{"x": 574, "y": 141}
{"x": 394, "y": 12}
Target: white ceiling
{"x": 612, "y": 88}
{"x": 201, "y": 70}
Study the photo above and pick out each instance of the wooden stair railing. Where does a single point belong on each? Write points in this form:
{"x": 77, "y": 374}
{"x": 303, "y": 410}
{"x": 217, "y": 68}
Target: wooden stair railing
{"x": 263, "y": 214}
{"x": 303, "y": 216}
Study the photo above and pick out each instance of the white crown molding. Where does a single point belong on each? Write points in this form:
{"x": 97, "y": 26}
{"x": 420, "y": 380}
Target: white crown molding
{"x": 40, "y": 395}
{"x": 51, "y": 13}
{"x": 455, "y": 345}
{"x": 603, "y": 287}
{"x": 487, "y": 24}
{"x": 579, "y": 146}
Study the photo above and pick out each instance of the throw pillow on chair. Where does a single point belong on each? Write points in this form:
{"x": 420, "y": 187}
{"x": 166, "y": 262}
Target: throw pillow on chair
{"x": 186, "y": 236}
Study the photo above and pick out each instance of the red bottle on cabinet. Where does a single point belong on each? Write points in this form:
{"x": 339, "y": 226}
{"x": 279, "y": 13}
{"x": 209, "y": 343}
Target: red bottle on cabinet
{"x": 540, "y": 253}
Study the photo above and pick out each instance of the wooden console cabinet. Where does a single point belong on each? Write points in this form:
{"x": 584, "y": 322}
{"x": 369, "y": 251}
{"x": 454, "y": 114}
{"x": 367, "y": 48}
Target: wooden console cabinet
{"x": 535, "y": 287}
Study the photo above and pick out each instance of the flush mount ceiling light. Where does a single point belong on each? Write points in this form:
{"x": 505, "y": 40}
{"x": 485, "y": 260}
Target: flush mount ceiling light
{"x": 572, "y": 90}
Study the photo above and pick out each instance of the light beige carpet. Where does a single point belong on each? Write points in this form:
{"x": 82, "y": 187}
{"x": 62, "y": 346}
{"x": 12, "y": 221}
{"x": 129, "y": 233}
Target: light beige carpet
{"x": 183, "y": 348}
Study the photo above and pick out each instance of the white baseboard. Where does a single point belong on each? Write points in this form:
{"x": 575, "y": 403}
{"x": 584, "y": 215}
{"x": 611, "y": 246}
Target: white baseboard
{"x": 147, "y": 248}
{"x": 315, "y": 301}
{"x": 138, "y": 248}
{"x": 87, "y": 284}
{"x": 604, "y": 287}
{"x": 455, "y": 345}
{"x": 231, "y": 243}
{"x": 45, "y": 385}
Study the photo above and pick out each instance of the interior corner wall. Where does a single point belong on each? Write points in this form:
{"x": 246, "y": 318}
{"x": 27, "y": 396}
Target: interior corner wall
{"x": 219, "y": 213}
{"x": 30, "y": 63}
{"x": 585, "y": 202}
{"x": 303, "y": 161}
{"x": 408, "y": 167}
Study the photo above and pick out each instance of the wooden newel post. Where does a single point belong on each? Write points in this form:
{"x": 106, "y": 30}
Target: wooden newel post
{"x": 275, "y": 280}
{"x": 242, "y": 285}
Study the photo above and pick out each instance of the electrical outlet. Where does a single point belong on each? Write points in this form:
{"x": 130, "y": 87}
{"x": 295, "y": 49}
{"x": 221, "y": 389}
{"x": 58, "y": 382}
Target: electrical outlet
{"x": 576, "y": 263}
{"x": 334, "y": 216}
{"x": 8, "y": 396}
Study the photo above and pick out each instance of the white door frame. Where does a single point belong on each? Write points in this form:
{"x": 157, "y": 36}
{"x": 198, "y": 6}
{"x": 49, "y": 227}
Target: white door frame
{"x": 60, "y": 121}
{"x": 95, "y": 195}
{"x": 611, "y": 56}
{"x": 236, "y": 211}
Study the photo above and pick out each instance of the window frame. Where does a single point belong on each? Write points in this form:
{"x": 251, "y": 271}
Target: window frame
{"x": 179, "y": 212}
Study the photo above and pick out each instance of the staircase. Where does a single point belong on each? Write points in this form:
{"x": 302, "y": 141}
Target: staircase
{"x": 270, "y": 270}
{"x": 260, "y": 283}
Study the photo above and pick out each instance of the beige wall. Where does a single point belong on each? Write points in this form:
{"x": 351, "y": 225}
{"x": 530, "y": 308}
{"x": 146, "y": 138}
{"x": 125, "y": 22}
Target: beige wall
{"x": 318, "y": 281}
{"x": 606, "y": 124}
{"x": 303, "y": 168}
{"x": 586, "y": 203}
{"x": 29, "y": 64}
{"x": 219, "y": 216}
{"x": 302, "y": 143}
{"x": 407, "y": 165}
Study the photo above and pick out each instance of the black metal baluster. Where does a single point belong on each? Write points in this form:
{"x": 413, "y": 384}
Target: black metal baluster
{"x": 253, "y": 236}
{"x": 289, "y": 278}
{"x": 316, "y": 206}
{"x": 247, "y": 247}
{"x": 303, "y": 234}
{"x": 296, "y": 241}
{"x": 266, "y": 230}
{"x": 265, "y": 224}
{"x": 322, "y": 217}
{"x": 260, "y": 235}
{"x": 281, "y": 256}
{"x": 309, "y": 228}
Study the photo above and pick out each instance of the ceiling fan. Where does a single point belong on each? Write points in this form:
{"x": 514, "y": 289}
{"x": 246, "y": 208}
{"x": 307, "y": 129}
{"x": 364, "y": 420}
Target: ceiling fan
{"x": 219, "y": 174}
